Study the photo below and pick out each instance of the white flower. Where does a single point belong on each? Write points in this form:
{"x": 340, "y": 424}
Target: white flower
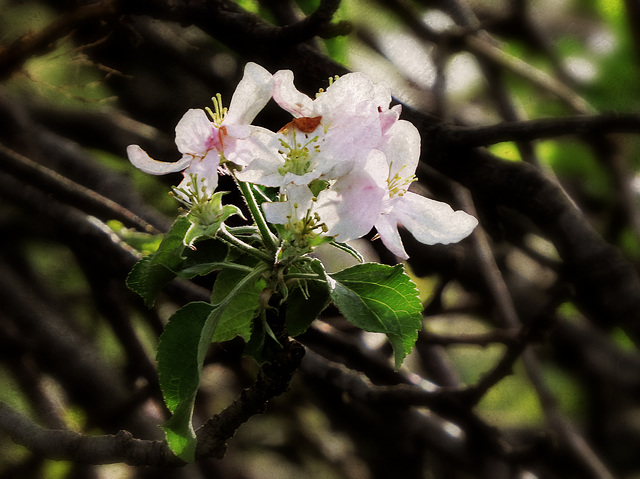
{"x": 325, "y": 137}
{"x": 290, "y": 156}
{"x": 349, "y": 138}
{"x": 429, "y": 221}
{"x": 204, "y": 142}
{"x": 350, "y": 207}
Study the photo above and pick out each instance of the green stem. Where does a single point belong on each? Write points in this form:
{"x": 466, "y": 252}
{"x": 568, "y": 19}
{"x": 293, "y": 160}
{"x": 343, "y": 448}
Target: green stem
{"x": 270, "y": 240}
{"x": 242, "y": 230}
{"x": 305, "y": 276}
{"x": 224, "y": 235}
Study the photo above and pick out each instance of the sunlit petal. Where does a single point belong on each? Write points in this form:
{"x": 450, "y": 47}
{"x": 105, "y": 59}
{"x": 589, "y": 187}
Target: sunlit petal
{"x": 194, "y": 132}
{"x": 288, "y": 97}
{"x": 431, "y": 221}
{"x": 141, "y": 160}
{"x": 251, "y": 95}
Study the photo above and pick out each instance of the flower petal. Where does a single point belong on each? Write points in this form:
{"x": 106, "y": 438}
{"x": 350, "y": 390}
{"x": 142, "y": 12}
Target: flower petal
{"x": 431, "y": 221}
{"x": 346, "y": 96}
{"x": 352, "y": 207}
{"x": 299, "y": 202}
{"x": 387, "y": 228}
{"x": 401, "y": 145}
{"x": 389, "y": 117}
{"x": 193, "y": 133}
{"x": 288, "y": 97}
{"x": 251, "y": 95}
{"x": 141, "y": 160}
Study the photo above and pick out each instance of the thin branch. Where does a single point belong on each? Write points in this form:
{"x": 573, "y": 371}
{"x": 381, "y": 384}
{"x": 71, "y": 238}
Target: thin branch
{"x": 316, "y": 24}
{"x": 272, "y": 381}
{"x": 529, "y": 130}
{"x": 72, "y": 446}
{"x": 13, "y": 56}
{"x": 582, "y": 452}
{"x": 67, "y": 189}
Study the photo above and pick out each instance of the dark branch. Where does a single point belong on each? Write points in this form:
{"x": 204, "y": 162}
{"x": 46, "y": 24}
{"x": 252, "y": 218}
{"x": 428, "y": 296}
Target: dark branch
{"x": 529, "y": 130}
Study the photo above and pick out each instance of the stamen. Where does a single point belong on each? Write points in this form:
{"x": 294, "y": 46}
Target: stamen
{"x": 399, "y": 185}
{"x": 220, "y": 112}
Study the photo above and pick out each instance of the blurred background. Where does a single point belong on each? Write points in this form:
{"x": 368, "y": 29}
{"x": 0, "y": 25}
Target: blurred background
{"x": 535, "y": 315}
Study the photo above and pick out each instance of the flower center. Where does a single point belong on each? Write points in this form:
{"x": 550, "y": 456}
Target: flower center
{"x": 193, "y": 194}
{"x": 298, "y": 156}
{"x": 305, "y": 229}
{"x": 398, "y": 184}
{"x": 219, "y": 112}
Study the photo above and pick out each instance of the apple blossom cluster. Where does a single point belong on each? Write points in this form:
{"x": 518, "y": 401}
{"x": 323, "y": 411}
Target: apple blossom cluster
{"x": 342, "y": 166}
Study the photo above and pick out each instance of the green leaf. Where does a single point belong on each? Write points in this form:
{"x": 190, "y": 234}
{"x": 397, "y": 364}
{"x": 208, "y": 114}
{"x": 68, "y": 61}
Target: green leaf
{"x": 380, "y": 299}
{"x": 237, "y": 318}
{"x": 145, "y": 243}
{"x": 181, "y": 351}
{"x": 183, "y": 345}
{"x": 173, "y": 258}
{"x": 153, "y": 272}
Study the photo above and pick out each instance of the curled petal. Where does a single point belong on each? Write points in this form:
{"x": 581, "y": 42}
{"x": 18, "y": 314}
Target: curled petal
{"x": 288, "y": 97}
{"x": 251, "y": 95}
{"x": 141, "y": 160}
{"x": 387, "y": 228}
{"x": 194, "y": 133}
{"x": 431, "y": 221}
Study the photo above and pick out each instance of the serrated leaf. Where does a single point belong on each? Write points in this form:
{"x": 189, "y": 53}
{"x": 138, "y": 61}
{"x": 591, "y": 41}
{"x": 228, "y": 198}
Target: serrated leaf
{"x": 180, "y": 356}
{"x": 237, "y": 319}
{"x": 173, "y": 258}
{"x": 153, "y": 272}
{"x": 380, "y": 299}
{"x": 181, "y": 352}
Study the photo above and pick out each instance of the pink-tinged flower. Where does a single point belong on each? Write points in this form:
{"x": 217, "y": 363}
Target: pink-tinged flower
{"x": 351, "y": 205}
{"x": 288, "y": 157}
{"x": 203, "y": 142}
{"x": 429, "y": 221}
{"x": 344, "y": 210}
{"x": 327, "y": 135}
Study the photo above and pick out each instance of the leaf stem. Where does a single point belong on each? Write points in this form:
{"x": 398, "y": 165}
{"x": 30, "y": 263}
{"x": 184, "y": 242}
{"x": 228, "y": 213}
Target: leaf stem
{"x": 224, "y": 235}
{"x": 307, "y": 276}
{"x": 270, "y": 240}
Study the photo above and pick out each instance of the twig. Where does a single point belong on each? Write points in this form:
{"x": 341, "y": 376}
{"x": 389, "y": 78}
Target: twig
{"x": 272, "y": 381}
{"x": 529, "y": 130}
{"x": 67, "y": 189}
{"x": 582, "y": 452}
{"x": 13, "y": 56}
{"x": 72, "y": 446}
